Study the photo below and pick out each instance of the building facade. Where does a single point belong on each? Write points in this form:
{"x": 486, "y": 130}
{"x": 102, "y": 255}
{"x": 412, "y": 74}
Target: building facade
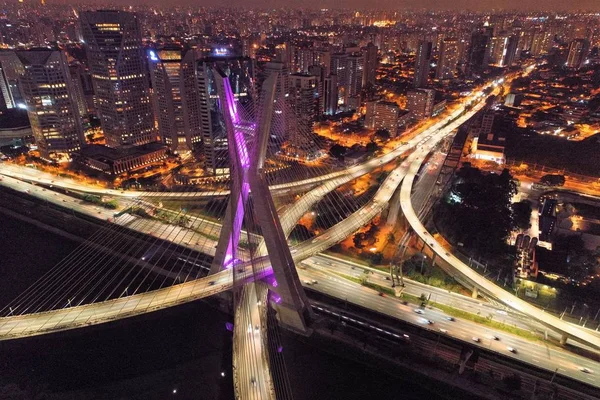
{"x": 50, "y": 99}
{"x": 578, "y": 52}
{"x": 119, "y": 75}
{"x": 448, "y": 60}
{"x": 173, "y": 73}
{"x": 383, "y": 115}
{"x": 422, "y": 64}
{"x": 420, "y": 103}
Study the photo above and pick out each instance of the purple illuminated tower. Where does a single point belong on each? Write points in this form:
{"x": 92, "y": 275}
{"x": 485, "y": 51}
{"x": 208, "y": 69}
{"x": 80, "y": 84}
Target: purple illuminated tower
{"x": 292, "y": 306}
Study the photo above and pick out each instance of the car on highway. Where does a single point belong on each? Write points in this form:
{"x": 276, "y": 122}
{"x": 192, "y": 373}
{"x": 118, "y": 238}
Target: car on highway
{"x": 494, "y": 337}
{"x": 211, "y": 283}
{"x": 307, "y": 282}
{"x": 443, "y": 330}
{"x": 585, "y": 370}
{"x": 476, "y": 339}
{"x": 314, "y": 281}
{"x": 512, "y": 350}
{"x": 450, "y": 319}
{"x": 430, "y": 322}
{"x": 381, "y": 294}
{"x": 419, "y": 311}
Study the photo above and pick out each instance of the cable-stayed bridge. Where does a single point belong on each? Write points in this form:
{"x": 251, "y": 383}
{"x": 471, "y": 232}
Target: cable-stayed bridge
{"x": 245, "y": 248}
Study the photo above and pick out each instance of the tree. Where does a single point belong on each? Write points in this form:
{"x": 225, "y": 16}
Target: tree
{"x": 383, "y": 135}
{"x": 376, "y": 258}
{"x": 478, "y": 211}
{"x": 522, "y": 214}
{"x": 553, "y": 180}
{"x": 337, "y": 151}
{"x": 372, "y": 147}
{"x": 358, "y": 239}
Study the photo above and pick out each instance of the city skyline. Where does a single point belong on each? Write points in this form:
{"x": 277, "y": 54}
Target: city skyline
{"x": 379, "y": 5}
{"x": 421, "y": 186}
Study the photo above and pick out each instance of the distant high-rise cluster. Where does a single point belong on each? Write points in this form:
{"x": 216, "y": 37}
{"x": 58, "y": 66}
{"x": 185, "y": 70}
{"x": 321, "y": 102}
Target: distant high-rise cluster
{"x": 143, "y": 76}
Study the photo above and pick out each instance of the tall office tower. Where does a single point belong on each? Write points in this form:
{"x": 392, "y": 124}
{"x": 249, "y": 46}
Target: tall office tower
{"x": 279, "y": 124}
{"x": 422, "y": 64}
{"x": 338, "y": 68}
{"x": 241, "y": 75}
{"x": 497, "y": 50}
{"x": 420, "y": 103}
{"x": 75, "y": 73}
{"x": 322, "y": 58}
{"x": 48, "y": 93}
{"x": 354, "y": 78}
{"x": 371, "y": 63}
{"x": 478, "y": 50}
{"x": 540, "y": 43}
{"x": 6, "y": 98}
{"x": 446, "y": 67}
{"x": 303, "y": 100}
{"x": 578, "y": 51}
{"x": 9, "y": 79}
{"x": 383, "y": 115}
{"x": 173, "y": 73}
{"x": 330, "y": 95}
{"x": 117, "y": 63}
{"x": 305, "y": 59}
{"x": 510, "y": 57}
{"x": 524, "y": 43}
{"x": 318, "y": 72}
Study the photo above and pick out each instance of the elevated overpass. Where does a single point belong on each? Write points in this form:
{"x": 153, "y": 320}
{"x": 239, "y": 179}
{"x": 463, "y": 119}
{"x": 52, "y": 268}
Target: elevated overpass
{"x": 463, "y": 273}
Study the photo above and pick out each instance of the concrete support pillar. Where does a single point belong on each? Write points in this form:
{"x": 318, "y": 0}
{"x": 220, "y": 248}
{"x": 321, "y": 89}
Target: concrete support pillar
{"x": 475, "y": 293}
{"x": 563, "y": 339}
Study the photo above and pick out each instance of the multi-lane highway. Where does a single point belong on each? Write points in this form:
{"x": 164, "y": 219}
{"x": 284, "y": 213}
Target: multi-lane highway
{"x": 536, "y": 353}
{"x": 463, "y": 272}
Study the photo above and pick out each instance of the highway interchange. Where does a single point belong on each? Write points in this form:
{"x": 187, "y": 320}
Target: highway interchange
{"x": 543, "y": 356}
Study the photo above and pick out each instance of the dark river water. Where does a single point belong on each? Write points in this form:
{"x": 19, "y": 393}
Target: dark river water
{"x": 173, "y": 354}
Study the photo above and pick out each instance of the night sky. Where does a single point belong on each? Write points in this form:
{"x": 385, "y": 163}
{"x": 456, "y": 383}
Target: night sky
{"x": 456, "y": 5}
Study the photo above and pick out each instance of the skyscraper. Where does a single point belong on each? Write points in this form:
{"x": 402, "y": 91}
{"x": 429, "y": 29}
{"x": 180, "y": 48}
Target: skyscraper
{"x": 330, "y": 95}
{"x": 6, "y": 98}
{"x": 303, "y": 99}
{"x": 49, "y": 96}
{"x": 422, "y": 63}
{"x": 354, "y": 79}
{"x": 478, "y": 50}
{"x": 497, "y": 50}
{"x": 371, "y": 63}
{"x": 11, "y": 68}
{"x": 173, "y": 72}
{"x": 279, "y": 128}
{"x": 578, "y": 51}
{"x": 117, "y": 63}
{"x": 446, "y": 67}
{"x": 338, "y": 68}
{"x": 240, "y": 72}
{"x": 540, "y": 43}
